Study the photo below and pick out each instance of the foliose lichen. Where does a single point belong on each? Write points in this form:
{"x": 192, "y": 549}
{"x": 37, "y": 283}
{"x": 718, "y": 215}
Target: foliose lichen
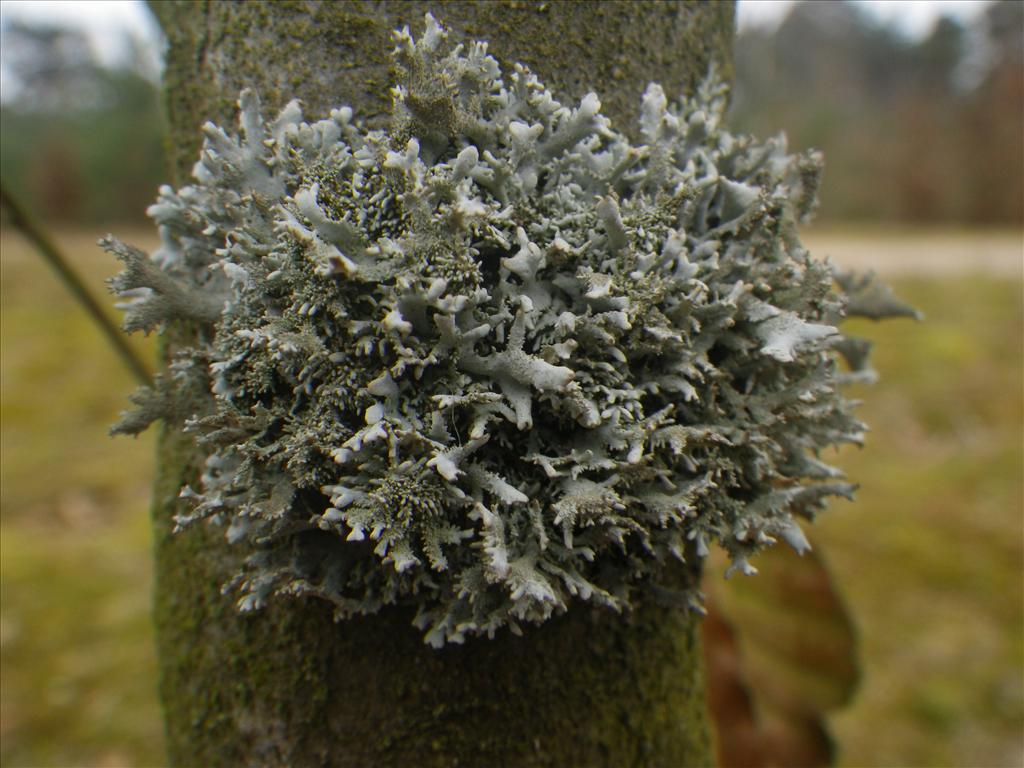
{"x": 497, "y": 359}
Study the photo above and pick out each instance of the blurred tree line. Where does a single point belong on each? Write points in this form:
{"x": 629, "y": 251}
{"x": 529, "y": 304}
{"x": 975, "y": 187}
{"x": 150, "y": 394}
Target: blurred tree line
{"x": 80, "y": 140}
{"x": 928, "y": 131}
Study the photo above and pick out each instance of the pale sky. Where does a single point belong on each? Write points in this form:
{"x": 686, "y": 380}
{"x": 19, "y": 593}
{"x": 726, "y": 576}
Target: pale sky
{"x": 103, "y": 20}
{"x": 98, "y": 17}
{"x": 912, "y": 17}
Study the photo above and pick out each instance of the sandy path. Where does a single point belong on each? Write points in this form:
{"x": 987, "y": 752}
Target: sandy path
{"x": 924, "y": 252}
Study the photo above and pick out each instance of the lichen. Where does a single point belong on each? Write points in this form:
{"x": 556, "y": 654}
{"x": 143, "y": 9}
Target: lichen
{"x": 497, "y": 359}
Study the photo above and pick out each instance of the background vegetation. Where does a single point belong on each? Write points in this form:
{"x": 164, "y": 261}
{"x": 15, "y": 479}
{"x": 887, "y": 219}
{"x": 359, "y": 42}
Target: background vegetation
{"x": 918, "y": 132}
{"x": 929, "y": 557}
{"x": 81, "y": 140}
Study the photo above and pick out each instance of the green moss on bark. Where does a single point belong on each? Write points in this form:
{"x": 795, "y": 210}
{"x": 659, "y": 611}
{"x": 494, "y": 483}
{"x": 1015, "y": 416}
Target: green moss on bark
{"x": 288, "y": 686}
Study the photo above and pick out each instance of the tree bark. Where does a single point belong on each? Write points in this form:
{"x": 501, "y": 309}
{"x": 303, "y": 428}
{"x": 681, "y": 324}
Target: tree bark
{"x": 289, "y": 687}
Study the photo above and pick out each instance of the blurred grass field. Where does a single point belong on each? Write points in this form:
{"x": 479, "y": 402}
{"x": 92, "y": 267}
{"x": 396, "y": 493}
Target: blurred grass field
{"x": 930, "y": 557}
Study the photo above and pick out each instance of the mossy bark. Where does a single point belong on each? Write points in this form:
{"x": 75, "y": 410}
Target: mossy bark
{"x": 289, "y": 687}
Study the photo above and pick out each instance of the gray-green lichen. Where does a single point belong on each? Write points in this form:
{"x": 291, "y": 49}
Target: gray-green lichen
{"x": 496, "y": 359}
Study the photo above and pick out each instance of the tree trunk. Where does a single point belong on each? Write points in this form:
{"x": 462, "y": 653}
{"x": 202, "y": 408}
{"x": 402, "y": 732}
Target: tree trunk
{"x": 287, "y": 686}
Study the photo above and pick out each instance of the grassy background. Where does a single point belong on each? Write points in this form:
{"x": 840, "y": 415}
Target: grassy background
{"x": 77, "y": 684}
{"x": 930, "y": 556}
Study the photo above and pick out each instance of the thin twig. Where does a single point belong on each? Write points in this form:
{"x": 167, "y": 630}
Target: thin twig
{"x": 48, "y": 250}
